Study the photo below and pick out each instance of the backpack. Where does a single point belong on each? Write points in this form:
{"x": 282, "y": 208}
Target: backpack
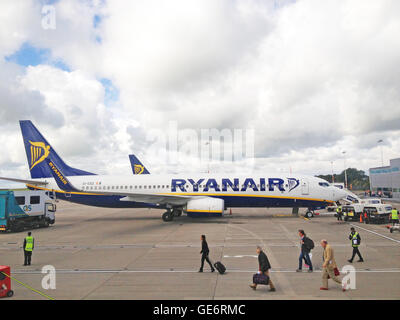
{"x": 310, "y": 244}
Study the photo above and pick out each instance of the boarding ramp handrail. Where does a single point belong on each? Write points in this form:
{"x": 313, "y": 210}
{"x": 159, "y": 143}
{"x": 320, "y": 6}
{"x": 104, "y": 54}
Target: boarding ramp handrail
{"x": 351, "y": 197}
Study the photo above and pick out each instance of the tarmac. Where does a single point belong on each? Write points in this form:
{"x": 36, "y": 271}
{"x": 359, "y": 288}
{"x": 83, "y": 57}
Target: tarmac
{"x": 101, "y": 253}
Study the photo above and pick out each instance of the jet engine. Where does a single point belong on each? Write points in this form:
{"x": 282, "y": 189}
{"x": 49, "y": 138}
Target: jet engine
{"x": 205, "y": 207}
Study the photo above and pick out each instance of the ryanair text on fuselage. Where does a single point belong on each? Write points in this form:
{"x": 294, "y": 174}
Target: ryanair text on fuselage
{"x": 179, "y": 185}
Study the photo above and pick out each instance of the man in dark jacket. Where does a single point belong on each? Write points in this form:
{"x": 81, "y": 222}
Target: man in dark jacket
{"x": 263, "y": 267}
{"x": 204, "y": 254}
{"x": 306, "y": 246}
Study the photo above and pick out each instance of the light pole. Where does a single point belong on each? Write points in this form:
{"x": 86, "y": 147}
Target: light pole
{"x": 208, "y": 160}
{"x": 381, "y": 141}
{"x": 333, "y": 179}
{"x": 345, "y": 170}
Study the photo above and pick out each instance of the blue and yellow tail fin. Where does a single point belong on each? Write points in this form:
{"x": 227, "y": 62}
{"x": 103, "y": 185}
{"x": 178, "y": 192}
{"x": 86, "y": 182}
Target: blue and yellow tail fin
{"x": 38, "y": 150}
{"x": 137, "y": 166}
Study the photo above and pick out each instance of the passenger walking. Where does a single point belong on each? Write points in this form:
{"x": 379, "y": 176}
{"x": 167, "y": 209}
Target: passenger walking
{"x": 263, "y": 268}
{"x": 329, "y": 267}
{"x": 29, "y": 244}
{"x": 204, "y": 254}
{"x": 306, "y": 246}
{"x": 355, "y": 239}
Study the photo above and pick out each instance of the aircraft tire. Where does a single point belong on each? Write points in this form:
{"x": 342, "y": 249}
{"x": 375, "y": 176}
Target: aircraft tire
{"x": 177, "y": 213}
{"x": 167, "y": 216}
{"x": 309, "y": 214}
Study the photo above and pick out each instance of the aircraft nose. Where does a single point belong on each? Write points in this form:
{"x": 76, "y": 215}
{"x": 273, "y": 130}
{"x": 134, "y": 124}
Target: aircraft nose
{"x": 339, "y": 194}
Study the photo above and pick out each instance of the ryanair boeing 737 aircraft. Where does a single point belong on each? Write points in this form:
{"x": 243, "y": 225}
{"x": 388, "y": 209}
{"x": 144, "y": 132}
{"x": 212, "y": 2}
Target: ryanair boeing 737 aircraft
{"x": 201, "y": 194}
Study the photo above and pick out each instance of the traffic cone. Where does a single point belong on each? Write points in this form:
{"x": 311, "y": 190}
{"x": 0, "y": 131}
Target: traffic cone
{"x": 361, "y": 218}
{"x": 230, "y": 211}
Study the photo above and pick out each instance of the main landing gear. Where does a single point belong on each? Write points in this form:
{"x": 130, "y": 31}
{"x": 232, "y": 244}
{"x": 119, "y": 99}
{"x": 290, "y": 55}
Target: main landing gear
{"x": 309, "y": 214}
{"x": 170, "y": 214}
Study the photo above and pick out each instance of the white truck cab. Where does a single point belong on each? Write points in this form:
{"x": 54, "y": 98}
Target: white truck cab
{"x": 377, "y": 213}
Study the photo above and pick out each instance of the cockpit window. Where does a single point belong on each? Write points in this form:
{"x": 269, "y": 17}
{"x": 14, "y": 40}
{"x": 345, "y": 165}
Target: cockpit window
{"x": 324, "y": 184}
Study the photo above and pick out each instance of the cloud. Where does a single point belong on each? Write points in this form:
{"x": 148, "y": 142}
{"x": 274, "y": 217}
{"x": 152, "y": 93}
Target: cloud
{"x": 312, "y": 78}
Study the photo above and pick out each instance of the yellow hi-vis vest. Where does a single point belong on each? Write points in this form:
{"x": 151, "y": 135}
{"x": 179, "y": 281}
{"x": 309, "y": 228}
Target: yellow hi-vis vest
{"x": 339, "y": 209}
{"x": 395, "y": 214}
{"x": 356, "y": 240}
{"x": 29, "y": 244}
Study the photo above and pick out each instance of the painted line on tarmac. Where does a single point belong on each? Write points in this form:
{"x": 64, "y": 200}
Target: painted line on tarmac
{"x": 72, "y": 271}
{"x": 378, "y": 234}
{"x": 166, "y": 246}
{"x": 242, "y": 256}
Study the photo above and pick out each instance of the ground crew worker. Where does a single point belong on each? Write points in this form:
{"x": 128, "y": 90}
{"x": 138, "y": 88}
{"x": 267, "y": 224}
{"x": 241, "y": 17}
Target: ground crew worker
{"x": 366, "y": 218}
{"x": 29, "y": 244}
{"x": 328, "y": 266}
{"x": 395, "y": 216}
{"x": 263, "y": 267}
{"x": 339, "y": 213}
{"x": 204, "y": 254}
{"x": 355, "y": 239}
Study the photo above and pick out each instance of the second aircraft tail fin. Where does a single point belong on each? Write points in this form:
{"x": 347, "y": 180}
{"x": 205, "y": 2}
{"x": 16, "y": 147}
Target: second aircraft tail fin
{"x": 137, "y": 166}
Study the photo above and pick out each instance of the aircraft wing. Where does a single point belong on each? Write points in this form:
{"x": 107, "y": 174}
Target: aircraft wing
{"x": 34, "y": 182}
{"x": 66, "y": 185}
{"x": 158, "y": 198}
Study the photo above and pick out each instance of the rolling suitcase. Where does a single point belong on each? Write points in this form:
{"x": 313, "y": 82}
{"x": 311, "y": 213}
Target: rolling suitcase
{"x": 260, "y": 278}
{"x": 220, "y": 267}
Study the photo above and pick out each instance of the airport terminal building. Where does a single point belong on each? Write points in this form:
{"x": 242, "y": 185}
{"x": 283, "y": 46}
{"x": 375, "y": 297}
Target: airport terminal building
{"x": 386, "y": 180}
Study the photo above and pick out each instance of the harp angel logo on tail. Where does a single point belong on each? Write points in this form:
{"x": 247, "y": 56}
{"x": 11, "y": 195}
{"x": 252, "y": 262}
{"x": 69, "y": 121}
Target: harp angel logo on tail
{"x": 39, "y": 152}
{"x": 138, "y": 168}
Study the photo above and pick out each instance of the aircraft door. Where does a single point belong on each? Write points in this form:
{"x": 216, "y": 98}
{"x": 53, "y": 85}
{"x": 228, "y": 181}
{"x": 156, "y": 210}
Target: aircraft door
{"x": 305, "y": 187}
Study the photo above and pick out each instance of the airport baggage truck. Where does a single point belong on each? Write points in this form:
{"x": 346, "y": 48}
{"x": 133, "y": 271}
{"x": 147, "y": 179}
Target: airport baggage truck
{"x": 352, "y": 212}
{"x": 378, "y": 213}
{"x": 5, "y": 282}
{"x": 25, "y": 209}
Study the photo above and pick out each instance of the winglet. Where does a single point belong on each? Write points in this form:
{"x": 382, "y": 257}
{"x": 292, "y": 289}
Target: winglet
{"x": 60, "y": 178}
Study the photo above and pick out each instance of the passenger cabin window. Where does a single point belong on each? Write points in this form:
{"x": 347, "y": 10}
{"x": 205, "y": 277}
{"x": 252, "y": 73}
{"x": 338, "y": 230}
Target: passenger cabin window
{"x": 35, "y": 200}
{"x": 20, "y": 200}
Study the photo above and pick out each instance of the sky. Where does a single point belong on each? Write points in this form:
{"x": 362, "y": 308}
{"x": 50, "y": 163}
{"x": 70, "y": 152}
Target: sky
{"x": 103, "y": 79}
